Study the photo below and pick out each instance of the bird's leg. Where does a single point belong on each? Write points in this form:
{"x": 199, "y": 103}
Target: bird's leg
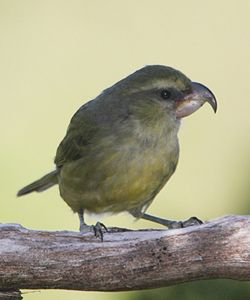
{"x": 172, "y": 224}
{"x": 83, "y": 226}
{"x": 97, "y": 228}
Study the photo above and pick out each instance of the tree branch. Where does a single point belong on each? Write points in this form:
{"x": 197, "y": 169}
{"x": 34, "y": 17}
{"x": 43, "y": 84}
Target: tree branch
{"x": 125, "y": 260}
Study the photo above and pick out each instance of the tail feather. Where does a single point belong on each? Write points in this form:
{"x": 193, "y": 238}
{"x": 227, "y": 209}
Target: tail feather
{"x": 41, "y": 184}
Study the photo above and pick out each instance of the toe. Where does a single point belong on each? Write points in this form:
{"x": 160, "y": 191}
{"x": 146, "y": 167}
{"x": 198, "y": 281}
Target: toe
{"x": 193, "y": 221}
{"x": 175, "y": 225}
{"x": 85, "y": 228}
{"x": 98, "y": 230}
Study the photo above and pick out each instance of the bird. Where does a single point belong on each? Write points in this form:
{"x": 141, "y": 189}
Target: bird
{"x": 122, "y": 147}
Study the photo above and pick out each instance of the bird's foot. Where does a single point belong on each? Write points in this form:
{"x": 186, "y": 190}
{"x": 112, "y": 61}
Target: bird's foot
{"x": 172, "y": 224}
{"x": 98, "y": 229}
{"x": 183, "y": 224}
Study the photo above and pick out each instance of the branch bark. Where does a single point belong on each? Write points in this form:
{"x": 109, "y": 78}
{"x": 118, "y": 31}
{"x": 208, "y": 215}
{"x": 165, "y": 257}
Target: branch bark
{"x": 125, "y": 260}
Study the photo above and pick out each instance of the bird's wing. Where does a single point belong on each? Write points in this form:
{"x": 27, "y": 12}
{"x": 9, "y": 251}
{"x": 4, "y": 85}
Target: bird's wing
{"x": 94, "y": 121}
{"x": 82, "y": 129}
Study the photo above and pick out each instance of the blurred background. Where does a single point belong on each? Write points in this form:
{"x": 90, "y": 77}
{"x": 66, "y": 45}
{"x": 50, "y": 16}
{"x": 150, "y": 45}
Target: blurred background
{"x": 56, "y": 55}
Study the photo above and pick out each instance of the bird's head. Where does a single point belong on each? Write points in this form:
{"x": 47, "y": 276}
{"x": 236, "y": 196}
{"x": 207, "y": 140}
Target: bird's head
{"x": 167, "y": 87}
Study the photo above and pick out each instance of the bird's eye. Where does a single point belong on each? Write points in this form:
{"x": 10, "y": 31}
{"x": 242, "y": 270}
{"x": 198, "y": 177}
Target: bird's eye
{"x": 165, "y": 94}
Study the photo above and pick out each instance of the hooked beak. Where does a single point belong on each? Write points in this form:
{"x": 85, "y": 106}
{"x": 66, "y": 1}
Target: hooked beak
{"x": 194, "y": 100}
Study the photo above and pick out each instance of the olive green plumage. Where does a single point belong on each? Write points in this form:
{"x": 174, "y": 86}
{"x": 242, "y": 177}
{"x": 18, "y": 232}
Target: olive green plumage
{"x": 122, "y": 147}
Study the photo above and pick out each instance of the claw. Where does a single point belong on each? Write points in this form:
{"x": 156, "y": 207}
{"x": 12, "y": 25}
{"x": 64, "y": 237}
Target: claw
{"x": 193, "y": 221}
{"x": 98, "y": 230}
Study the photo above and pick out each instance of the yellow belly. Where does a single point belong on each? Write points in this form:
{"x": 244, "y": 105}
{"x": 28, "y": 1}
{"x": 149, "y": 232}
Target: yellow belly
{"x": 115, "y": 181}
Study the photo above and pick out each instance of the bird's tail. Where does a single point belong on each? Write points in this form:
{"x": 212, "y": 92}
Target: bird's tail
{"x": 41, "y": 184}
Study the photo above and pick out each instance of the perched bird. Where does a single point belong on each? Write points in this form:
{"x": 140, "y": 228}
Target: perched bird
{"x": 121, "y": 148}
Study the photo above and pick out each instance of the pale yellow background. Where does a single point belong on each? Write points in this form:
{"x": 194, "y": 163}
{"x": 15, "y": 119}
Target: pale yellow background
{"x": 55, "y": 55}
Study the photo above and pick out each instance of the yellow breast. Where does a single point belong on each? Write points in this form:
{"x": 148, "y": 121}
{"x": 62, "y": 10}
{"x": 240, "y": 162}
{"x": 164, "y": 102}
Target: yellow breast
{"x": 120, "y": 175}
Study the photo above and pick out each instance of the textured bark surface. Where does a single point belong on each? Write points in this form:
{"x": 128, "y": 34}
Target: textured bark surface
{"x": 125, "y": 260}
{"x": 10, "y": 295}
